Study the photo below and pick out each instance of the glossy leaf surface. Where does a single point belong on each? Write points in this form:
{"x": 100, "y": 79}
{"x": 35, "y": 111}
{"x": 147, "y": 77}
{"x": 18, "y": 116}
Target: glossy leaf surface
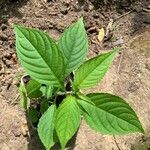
{"x": 74, "y": 46}
{"x": 46, "y": 127}
{"x": 67, "y": 120}
{"x": 110, "y": 115}
{"x": 40, "y": 56}
{"x": 93, "y": 70}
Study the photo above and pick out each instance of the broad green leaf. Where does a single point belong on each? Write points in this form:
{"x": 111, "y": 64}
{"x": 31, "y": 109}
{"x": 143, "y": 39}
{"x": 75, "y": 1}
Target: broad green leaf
{"x": 67, "y": 120}
{"x": 46, "y": 127}
{"x": 110, "y": 115}
{"x": 93, "y": 70}
{"x": 40, "y": 56}
{"x": 74, "y": 45}
{"x": 33, "y": 89}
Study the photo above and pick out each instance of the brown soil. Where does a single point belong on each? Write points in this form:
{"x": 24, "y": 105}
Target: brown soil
{"x": 128, "y": 77}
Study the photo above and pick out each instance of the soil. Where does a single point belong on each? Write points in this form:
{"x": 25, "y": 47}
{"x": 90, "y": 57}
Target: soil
{"x": 129, "y": 76}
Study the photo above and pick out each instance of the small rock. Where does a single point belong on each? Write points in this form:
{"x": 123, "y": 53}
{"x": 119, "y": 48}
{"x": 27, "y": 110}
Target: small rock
{"x": 3, "y": 27}
{"x": 9, "y": 81}
{"x": 96, "y": 15}
{"x": 133, "y": 87}
{"x": 14, "y": 58}
{"x": 7, "y": 55}
{"x": 4, "y": 19}
{"x": 91, "y": 6}
{"x": 125, "y": 3}
{"x": 64, "y": 11}
{"x": 16, "y": 131}
{"x": 24, "y": 19}
{"x": 24, "y": 129}
{"x": 47, "y": 1}
{"x": 3, "y": 37}
{"x": 7, "y": 62}
{"x": 86, "y": 7}
{"x": 118, "y": 42}
{"x": 147, "y": 66}
{"x": 67, "y": 2}
{"x": 138, "y": 8}
{"x": 16, "y": 82}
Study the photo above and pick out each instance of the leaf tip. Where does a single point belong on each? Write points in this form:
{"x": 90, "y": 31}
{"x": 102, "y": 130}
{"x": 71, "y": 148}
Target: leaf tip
{"x": 16, "y": 26}
{"x": 142, "y": 130}
{"x": 80, "y": 20}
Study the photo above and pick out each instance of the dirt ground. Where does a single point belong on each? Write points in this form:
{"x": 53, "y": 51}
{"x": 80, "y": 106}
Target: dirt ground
{"x": 128, "y": 77}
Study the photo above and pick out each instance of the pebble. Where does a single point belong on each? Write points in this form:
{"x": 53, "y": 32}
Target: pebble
{"x": 96, "y": 15}
{"x": 64, "y": 11}
{"x": 4, "y": 20}
{"x": 46, "y": 1}
{"x": 147, "y": 66}
{"x": 67, "y": 2}
{"x": 3, "y": 37}
{"x": 3, "y": 27}
{"x": 118, "y": 42}
{"x": 16, "y": 82}
{"x": 17, "y": 133}
{"x": 9, "y": 81}
{"x": 7, "y": 62}
{"x": 91, "y": 6}
{"x": 24, "y": 129}
{"x": 7, "y": 55}
{"x": 133, "y": 87}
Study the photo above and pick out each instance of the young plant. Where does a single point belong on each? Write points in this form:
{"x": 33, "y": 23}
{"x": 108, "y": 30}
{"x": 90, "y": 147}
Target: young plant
{"x": 57, "y": 74}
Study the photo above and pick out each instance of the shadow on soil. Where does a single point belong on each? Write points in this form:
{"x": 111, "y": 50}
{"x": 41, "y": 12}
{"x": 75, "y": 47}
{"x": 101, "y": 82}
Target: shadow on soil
{"x": 34, "y": 142}
{"x": 10, "y": 8}
{"x": 141, "y": 18}
{"x": 142, "y": 142}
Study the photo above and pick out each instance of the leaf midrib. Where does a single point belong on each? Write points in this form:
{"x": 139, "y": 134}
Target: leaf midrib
{"x": 66, "y": 124}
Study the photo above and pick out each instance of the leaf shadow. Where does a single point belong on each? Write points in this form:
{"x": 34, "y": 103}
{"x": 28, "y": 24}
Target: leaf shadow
{"x": 34, "y": 142}
{"x": 142, "y": 142}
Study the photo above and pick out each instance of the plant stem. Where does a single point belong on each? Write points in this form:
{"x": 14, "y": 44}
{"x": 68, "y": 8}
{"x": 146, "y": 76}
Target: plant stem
{"x": 65, "y": 93}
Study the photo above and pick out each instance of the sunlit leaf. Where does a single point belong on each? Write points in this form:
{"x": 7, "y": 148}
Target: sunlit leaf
{"x": 110, "y": 115}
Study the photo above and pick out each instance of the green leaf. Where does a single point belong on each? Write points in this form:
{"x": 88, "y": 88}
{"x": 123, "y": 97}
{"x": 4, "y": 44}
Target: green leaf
{"x": 40, "y": 56}
{"x": 33, "y": 89}
{"x": 84, "y": 97}
{"x": 74, "y": 45}
{"x": 67, "y": 120}
{"x": 44, "y": 106}
{"x": 33, "y": 114}
{"x": 93, "y": 70}
{"x": 110, "y": 115}
{"x": 46, "y": 127}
